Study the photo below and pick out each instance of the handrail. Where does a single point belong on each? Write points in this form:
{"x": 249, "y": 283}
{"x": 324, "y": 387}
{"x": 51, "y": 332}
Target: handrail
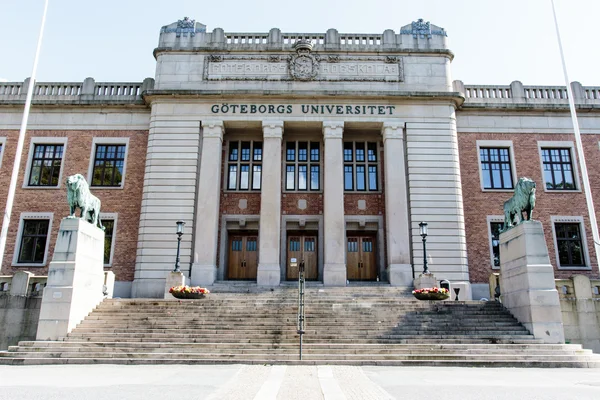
{"x": 301, "y": 316}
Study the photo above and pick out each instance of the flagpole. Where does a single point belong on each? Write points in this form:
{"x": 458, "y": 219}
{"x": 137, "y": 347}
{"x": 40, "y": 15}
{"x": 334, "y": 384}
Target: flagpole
{"x": 20, "y": 142}
{"x": 581, "y": 156}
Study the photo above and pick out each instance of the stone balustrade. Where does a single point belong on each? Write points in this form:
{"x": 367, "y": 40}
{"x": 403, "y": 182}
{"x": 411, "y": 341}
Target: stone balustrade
{"x": 23, "y": 283}
{"x": 87, "y": 92}
{"x": 516, "y": 94}
{"x": 428, "y": 39}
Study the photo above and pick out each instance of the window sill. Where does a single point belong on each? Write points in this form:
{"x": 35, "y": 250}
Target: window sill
{"x": 562, "y": 191}
{"x": 585, "y": 268}
{"x": 498, "y": 190}
{"x": 28, "y": 265}
{"x": 107, "y": 187}
{"x": 362, "y": 192}
{"x": 41, "y": 187}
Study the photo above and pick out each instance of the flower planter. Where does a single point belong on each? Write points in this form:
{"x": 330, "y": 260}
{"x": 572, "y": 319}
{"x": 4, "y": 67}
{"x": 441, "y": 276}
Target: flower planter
{"x": 433, "y": 293}
{"x": 431, "y": 296}
{"x": 187, "y": 292}
{"x": 181, "y": 295}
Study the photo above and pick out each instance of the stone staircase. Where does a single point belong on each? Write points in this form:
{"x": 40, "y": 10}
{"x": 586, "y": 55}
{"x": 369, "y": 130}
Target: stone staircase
{"x": 355, "y": 325}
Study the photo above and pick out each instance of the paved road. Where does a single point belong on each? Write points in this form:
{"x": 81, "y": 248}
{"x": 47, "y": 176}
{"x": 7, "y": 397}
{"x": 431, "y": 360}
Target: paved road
{"x": 102, "y": 382}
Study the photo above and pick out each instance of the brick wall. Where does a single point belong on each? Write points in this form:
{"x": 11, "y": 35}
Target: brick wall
{"x": 479, "y": 204}
{"x": 125, "y": 202}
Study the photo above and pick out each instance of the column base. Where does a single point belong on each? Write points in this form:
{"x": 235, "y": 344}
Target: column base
{"x": 268, "y": 275}
{"x": 173, "y": 279}
{"x": 425, "y": 281}
{"x": 334, "y": 275}
{"x": 203, "y": 275}
{"x": 400, "y": 274}
{"x": 465, "y": 292}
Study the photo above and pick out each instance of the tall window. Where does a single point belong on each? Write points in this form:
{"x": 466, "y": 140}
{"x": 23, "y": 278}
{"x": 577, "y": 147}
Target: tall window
{"x": 109, "y": 225}
{"x": 558, "y": 169}
{"x": 495, "y": 168}
{"x": 109, "y": 161}
{"x": 360, "y": 166}
{"x": 495, "y": 228}
{"x": 45, "y": 165}
{"x": 303, "y": 166}
{"x": 33, "y": 241}
{"x": 244, "y": 165}
{"x": 569, "y": 244}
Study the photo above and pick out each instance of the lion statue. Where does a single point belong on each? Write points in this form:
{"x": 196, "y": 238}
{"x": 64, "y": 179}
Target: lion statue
{"x": 522, "y": 201}
{"x": 78, "y": 195}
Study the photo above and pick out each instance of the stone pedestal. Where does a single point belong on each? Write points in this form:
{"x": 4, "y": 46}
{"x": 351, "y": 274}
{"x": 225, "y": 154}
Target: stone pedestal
{"x": 173, "y": 279}
{"x": 425, "y": 281}
{"x": 527, "y": 281}
{"x": 75, "y": 279}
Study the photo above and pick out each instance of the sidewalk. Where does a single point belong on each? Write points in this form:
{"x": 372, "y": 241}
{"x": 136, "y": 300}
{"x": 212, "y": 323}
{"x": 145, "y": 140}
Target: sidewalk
{"x": 293, "y": 382}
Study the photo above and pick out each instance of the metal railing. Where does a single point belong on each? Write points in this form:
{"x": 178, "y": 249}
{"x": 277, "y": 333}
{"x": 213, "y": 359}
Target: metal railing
{"x": 301, "y": 316}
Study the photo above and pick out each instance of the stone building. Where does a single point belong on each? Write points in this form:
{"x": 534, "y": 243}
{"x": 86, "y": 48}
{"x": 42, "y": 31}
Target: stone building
{"x": 328, "y": 148}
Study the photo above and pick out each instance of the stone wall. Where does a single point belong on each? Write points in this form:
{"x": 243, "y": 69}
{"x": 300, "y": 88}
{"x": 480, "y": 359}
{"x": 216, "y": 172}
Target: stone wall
{"x": 580, "y": 306}
{"x": 18, "y": 318}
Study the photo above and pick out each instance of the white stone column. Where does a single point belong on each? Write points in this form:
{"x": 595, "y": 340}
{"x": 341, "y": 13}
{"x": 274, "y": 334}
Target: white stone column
{"x": 396, "y": 205}
{"x": 269, "y": 267}
{"x": 334, "y": 268}
{"x": 206, "y": 224}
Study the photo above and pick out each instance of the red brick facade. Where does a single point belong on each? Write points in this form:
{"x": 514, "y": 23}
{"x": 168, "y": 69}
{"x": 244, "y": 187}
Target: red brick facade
{"x": 125, "y": 202}
{"x": 478, "y": 204}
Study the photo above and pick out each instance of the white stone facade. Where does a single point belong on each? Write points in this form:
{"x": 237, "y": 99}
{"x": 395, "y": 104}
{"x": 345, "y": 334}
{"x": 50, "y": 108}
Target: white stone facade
{"x": 391, "y": 92}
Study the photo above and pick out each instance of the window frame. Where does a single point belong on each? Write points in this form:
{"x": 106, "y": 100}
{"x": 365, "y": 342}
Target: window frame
{"x": 296, "y": 164}
{"x": 544, "y": 144}
{"x": 2, "y": 149}
{"x": 53, "y": 141}
{"x": 251, "y": 163}
{"x": 114, "y": 217}
{"x": 560, "y": 219}
{"x": 503, "y": 144}
{"x": 354, "y": 163}
{"x": 17, "y": 247}
{"x": 104, "y": 141}
{"x": 493, "y": 219}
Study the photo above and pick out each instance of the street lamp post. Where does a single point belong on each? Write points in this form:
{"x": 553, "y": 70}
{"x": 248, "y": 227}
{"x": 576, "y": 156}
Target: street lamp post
{"x": 180, "y": 225}
{"x": 423, "y": 232}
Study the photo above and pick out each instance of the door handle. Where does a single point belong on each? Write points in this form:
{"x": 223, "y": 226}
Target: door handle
{"x": 244, "y": 263}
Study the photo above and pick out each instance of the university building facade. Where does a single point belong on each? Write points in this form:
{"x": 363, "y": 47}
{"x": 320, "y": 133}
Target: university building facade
{"x": 328, "y": 148}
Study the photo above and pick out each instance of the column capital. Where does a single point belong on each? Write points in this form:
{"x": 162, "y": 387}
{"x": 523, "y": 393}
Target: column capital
{"x": 272, "y": 129}
{"x": 333, "y": 129}
{"x": 392, "y": 130}
{"x": 212, "y": 129}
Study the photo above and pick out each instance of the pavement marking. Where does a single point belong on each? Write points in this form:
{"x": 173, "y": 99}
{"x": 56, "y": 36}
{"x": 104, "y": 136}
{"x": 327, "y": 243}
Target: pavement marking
{"x": 270, "y": 388}
{"x": 329, "y": 386}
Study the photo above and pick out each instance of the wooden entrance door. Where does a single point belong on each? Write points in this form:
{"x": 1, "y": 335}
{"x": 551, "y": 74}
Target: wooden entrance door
{"x": 360, "y": 258}
{"x": 243, "y": 257}
{"x": 304, "y": 249}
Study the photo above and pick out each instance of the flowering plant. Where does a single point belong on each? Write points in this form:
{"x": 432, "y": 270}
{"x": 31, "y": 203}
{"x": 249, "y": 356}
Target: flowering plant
{"x": 188, "y": 292}
{"x": 430, "y": 290}
{"x": 433, "y": 293}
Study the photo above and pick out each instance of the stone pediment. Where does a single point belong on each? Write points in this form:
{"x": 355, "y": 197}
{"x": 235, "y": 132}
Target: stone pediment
{"x": 422, "y": 29}
{"x": 184, "y": 27}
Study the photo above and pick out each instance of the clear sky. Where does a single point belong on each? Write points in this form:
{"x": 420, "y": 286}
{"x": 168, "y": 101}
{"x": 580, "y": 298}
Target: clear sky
{"x": 495, "y": 41}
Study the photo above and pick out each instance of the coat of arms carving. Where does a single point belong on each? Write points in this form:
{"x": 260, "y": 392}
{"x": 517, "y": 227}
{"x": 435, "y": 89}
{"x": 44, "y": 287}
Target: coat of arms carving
{"x": 303, "y": 65}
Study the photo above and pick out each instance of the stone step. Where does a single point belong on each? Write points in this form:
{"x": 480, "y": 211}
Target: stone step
{"x": 316, "y": 346}
{"x": 292, "y": 332}
{"x": 241, "y": 360}
{"x": 290, "y": 349}
{"x": 308, "y": 357}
